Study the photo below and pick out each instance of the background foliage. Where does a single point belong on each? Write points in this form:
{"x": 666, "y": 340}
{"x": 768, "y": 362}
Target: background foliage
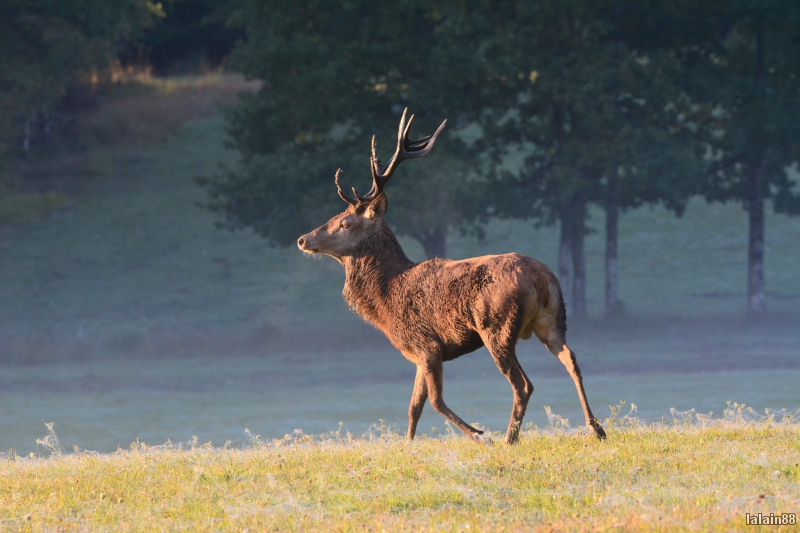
{"x": 553, "y": 107}
{"x": 53, "y": 50}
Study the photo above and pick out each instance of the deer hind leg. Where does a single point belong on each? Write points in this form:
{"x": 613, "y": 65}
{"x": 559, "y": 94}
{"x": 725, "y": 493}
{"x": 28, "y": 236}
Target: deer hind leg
{"x": 432, "y": 371}
{"x": 557, "y": 345}
{"x": 505, "y": 357}
{"x": 418, "y": 398}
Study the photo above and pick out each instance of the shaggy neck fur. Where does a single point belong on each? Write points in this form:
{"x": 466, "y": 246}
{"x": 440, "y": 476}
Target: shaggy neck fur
{"x": 377, "y": 261}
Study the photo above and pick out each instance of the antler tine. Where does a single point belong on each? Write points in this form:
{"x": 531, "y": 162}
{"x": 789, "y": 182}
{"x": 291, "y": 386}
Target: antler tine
{"x": 375, "y": 165}
{"x": 360, "y": 200}
{"x": 378, "y": 180}
{"x": 343, "y": 195}
{"x": 422, "y": 146}
{"x": 412, "y": 145}
{"x": 402, "y": 137}
{"x": 382, "y": 173}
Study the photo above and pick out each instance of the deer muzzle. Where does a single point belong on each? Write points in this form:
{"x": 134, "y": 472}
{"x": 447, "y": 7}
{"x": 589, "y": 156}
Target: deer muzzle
{"x": 302, "y": 243}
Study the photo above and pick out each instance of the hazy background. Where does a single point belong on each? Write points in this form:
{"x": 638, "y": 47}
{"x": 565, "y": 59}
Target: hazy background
{"x": 125, "y": 313}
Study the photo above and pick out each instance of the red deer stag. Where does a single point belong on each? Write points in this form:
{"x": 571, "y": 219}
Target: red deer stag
{"x": 438, "y": 310}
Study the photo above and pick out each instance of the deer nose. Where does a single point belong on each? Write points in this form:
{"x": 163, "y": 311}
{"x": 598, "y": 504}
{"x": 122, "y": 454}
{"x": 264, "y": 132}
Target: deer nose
{"x": 301, "y": 242}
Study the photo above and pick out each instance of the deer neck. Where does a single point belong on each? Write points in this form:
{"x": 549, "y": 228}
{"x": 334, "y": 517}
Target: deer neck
{"x": 370, "y": 274}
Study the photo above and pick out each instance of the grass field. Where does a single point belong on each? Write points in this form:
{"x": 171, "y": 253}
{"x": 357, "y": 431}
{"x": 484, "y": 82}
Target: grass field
{"x": 125, "y": 315}
{"x": 689, "y": 475}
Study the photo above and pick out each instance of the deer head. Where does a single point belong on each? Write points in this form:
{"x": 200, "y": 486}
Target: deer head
{"x": 342, "y": 234}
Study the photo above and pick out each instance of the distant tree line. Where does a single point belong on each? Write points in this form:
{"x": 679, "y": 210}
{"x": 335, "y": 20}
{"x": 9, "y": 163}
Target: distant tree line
{"x": 56, "y": 55}
{"x": 50, "y": 49}
{"x": 552, "y": 106}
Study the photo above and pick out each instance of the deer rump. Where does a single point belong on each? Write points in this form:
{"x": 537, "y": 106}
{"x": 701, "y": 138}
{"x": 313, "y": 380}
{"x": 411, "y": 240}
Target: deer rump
{"x": 451, "y": 306}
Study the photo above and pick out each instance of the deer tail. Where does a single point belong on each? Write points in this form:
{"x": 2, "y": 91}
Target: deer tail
{"x": 561, "y": 316}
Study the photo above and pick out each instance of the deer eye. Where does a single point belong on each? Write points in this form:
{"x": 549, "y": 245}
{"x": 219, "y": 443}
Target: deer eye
{"x": 344, "y": 225}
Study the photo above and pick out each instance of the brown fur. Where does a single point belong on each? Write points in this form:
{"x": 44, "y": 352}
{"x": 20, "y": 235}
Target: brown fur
{"x": 438, "y": 310}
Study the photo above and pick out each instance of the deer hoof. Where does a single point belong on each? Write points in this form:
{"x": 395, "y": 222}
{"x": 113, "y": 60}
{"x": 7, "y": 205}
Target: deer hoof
{"x": 598, "y": 430}
{"x": 482, "y": 438}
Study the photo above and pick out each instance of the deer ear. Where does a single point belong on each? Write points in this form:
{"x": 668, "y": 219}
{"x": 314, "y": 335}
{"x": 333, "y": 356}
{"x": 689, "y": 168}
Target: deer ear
{"x": 376, "y": 207}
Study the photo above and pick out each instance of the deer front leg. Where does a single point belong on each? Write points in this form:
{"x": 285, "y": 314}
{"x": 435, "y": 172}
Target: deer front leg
{"x": 418, "y": 398}
{"x": 523, "y": 388}
{"x": 432, "y": 370}
{"x": 505, "y": 358}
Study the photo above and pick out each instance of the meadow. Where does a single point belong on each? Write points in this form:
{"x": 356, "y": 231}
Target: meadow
{"x": 127, "y": 318}
{"x": 693, "y": 474}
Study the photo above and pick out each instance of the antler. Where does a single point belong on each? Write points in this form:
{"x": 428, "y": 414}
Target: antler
{"x": 381, "y": 173}
{"x": 355, "y": 202}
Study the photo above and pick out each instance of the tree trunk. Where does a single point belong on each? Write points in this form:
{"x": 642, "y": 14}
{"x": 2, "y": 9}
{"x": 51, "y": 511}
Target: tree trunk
{"x": 756, "y": 300}
{"x": 564, "y": 260}
{"x": 612, "y": 220}
{"x": 434, "y": 243}
{"x": 570, "y": 250}
{"x": 578, "y": 266}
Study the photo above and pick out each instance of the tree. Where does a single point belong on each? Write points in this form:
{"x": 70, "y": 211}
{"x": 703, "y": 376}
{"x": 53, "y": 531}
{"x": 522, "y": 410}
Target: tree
{"x": 743, "y": 74}
{"x": 573, "y": 86}
{"x": 49, "y": 47}
{"x": 334, "y": 74}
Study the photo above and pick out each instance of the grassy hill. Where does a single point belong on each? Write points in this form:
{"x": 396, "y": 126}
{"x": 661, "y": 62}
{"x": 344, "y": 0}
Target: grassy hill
{"x": 689, "y": 476}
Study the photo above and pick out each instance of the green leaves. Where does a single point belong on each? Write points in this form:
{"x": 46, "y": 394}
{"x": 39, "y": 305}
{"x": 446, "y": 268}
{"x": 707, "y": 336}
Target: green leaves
{"x": 749, "y": 75}
{"x": 336, "y": 73}
{"x": 563, "y": 96}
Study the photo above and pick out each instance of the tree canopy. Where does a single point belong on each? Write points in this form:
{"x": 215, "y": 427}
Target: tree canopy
{"x": 334, "y": 74}
{"x": 580, "y": 91}
{"x": 552, "y": 106}
{"x": 742, "y": 76}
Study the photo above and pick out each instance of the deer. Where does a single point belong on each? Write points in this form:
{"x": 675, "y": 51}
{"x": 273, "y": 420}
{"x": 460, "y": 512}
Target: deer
{"x": 438, "y": 310}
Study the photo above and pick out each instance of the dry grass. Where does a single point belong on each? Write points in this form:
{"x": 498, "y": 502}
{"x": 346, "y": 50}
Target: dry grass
{"x": 147, "y": 110}
{"x": 690, "y": 475}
